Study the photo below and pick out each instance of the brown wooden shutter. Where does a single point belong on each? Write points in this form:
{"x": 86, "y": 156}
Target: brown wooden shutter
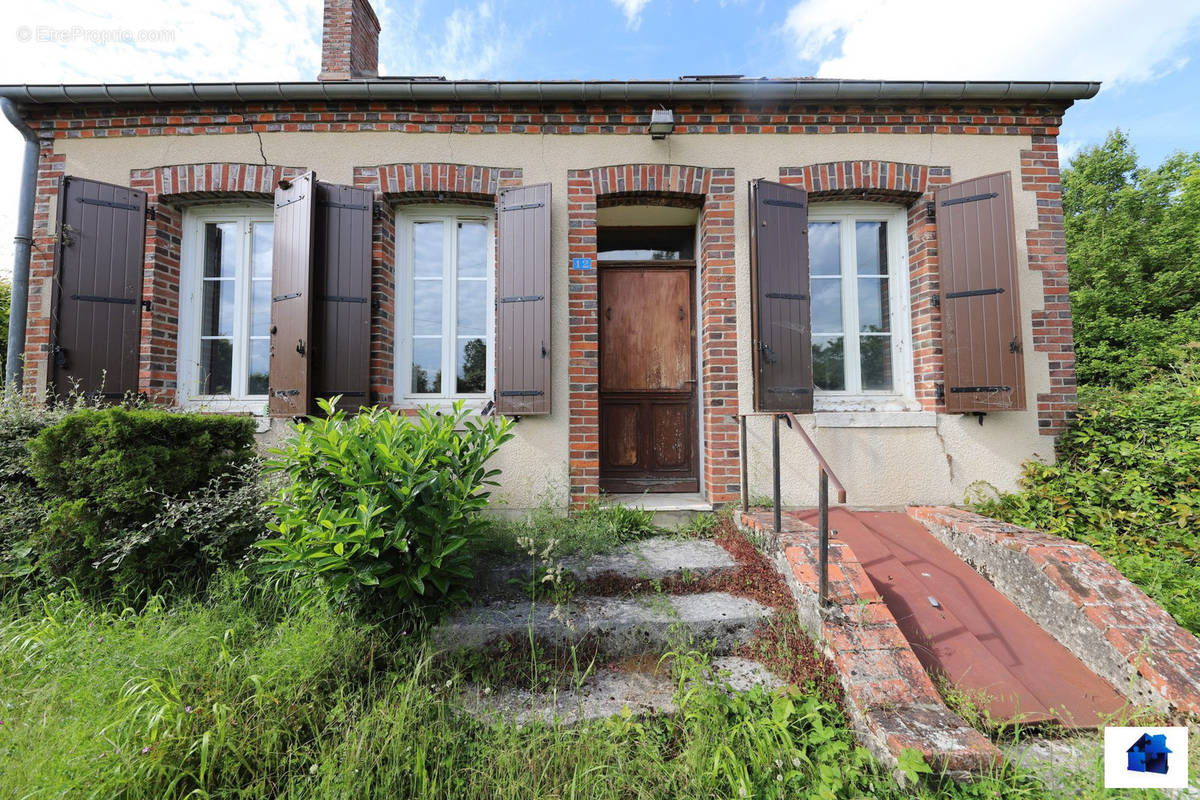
{"x": 291, "y": 296}
{"x": 782, "y": 318}
{"x": 985, "y": 368}
{"x": 100, "y": 256}
{"x": 523, "y": 310}
{"x": 341, "y": 335}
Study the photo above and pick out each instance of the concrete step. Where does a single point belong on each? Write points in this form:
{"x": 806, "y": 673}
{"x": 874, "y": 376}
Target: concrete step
{"x": 611, "y": 627}
{"x": 670, "y": 509}
{"x": 610, "y": 692}
{"x": 653, "y": 559}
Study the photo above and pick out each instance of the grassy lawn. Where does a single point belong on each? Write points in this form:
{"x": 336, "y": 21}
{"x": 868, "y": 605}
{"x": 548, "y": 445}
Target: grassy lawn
{"x": 235, "y": 694}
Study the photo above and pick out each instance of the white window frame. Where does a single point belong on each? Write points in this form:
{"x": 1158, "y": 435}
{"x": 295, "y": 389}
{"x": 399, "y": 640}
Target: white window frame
{"x": 449, "y": 216}
{"x": 190, "y": 308}
{"x": 902, "y": 396}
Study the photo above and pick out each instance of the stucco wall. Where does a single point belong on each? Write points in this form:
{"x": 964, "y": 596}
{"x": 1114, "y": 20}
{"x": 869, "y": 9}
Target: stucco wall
{"x": 880, "y": 466}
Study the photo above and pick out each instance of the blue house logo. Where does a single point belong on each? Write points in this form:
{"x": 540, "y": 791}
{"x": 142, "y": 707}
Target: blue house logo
{"x": 1149, "y": 754}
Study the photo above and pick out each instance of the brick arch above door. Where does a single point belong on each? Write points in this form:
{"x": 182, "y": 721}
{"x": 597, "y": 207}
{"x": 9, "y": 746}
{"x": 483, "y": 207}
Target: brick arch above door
{"x": 712, "y": 190}
{"x": 912, "y": 186}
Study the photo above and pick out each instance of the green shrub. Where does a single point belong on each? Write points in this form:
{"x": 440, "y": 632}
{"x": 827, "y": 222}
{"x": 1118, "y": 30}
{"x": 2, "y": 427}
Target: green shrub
{"x": 106, "y": 474}
{"x": 378, "y": 507}
{"x": 1127, "y": 482}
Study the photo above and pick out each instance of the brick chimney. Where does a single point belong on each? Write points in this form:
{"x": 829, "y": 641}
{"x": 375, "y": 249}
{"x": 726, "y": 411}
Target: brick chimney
{"x": 349, "y": 41}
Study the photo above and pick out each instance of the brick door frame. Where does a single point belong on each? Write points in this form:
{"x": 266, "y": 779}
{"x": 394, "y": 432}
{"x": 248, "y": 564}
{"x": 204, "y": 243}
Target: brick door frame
{"x": 712, "y": 191}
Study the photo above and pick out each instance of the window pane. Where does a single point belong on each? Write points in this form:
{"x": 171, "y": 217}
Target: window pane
{"x": 260, "y": 254}
{"x": 472, "y": 366}
{"x": 220, "y": 249}
{"x": 427, "y": 307}
{"x": 427, "y": 366}
{"x": 260, "y": 308}
{"x": 826, "y": 305}
{"x": 472, "y": 250}
{"x": 472, "y": 308}
{"x": 874, "y": 308}
{"x": 824, "y": 248}
{"x": 216, "y": 318}
{"x": 829, "y": 363}
{"x": 216, "y": 366}
{"x": 427, "y": 249}
{"x": 875, "y": 355}
{"x": 871, "y": 247}
{"x": 260, "y": 361}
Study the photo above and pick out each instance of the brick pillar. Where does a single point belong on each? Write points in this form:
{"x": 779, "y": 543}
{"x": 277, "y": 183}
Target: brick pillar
{"x": 584, "y": 366}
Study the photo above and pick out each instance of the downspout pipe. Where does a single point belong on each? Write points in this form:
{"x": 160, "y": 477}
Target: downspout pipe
{"x": 14, "y": 364}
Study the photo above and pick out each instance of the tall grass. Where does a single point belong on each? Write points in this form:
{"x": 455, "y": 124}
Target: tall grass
{"x": 238, "y": 696}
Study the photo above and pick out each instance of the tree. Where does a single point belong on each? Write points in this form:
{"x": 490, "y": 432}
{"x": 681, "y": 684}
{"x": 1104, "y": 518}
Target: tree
{"x": 1133, "y": 249}
{"x": 5, "y": 302}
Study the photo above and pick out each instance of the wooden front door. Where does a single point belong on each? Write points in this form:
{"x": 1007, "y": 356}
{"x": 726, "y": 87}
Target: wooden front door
{"x": 648, "y": 432}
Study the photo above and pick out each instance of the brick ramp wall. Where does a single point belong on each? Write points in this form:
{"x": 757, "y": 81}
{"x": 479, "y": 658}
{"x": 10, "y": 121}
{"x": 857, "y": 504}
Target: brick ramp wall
{"x": 1110, "y": 624}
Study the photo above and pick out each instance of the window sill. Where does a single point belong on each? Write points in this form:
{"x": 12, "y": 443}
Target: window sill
{"x": 874, "y": 419}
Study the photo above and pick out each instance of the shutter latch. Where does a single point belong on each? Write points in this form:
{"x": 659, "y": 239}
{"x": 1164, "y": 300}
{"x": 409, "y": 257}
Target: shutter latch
{"x": 1014, "y": 346}
{"x": 151, "y": 214}
{"x": 300, "y": 346}
{"x": 60, "y": 357}
{"x": 939, "y": 392}
{"x": 767, "y": 353}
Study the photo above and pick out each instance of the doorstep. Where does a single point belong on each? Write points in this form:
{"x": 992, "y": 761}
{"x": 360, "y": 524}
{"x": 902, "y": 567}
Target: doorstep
{"x": 669, "y": 508}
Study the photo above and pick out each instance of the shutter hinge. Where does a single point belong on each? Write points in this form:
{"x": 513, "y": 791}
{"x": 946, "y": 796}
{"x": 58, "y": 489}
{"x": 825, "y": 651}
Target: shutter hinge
{"x": 523, "y": 206}
{"x": 523, "y": 393}
{"x": 970, "y": 198}
{"x": 786, "y": 296}
{"x": 973, "y": 293}
{"x": 529, "y": 298}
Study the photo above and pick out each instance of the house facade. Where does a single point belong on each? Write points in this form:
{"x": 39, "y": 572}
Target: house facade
{"x": 884, "y": 259}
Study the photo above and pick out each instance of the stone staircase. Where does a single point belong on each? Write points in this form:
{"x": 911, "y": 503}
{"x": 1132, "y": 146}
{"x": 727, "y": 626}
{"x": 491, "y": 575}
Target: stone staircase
{"x": 621, "y": 637}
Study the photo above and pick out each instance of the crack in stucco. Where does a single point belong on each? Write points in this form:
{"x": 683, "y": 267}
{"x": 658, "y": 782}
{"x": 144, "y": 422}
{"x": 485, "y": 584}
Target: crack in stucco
{"x": 261, "y": 151}
{"x": 937, "y": 430}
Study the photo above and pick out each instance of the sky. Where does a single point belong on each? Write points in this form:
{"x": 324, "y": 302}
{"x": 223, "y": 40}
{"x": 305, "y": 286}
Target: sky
{"x": 1146, "y": 52}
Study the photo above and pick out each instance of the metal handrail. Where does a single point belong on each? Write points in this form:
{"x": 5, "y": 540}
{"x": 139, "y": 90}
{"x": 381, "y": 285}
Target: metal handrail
{"x": 825, "y": 473}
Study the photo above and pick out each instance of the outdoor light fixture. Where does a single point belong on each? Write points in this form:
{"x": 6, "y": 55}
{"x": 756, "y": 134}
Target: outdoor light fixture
{"x": 662, "y": 122}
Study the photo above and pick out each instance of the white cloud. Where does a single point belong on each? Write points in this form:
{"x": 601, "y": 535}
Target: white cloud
{"x": 139, "y": 41}
{"x": 1115, "y": 41}
{"x": 632, "y": 9}
{"x": 472, "y": 41}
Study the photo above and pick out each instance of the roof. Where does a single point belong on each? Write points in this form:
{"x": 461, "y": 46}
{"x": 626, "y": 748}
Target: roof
{"x": 812, "y": 90}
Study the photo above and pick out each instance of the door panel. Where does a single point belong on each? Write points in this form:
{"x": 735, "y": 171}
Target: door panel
{"x": 621, "y": 444}
{"x": 647, "y": 340}
{"x": 648, "y": 429}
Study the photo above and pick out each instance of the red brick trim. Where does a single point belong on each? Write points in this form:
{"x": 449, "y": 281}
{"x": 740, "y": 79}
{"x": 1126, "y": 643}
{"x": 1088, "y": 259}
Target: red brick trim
{"x": 399, "y": 184}
{"x": 70, "y": 121}
{"x": 37, "y": 373}
{"x": 1110, "y": 624}
{"x": 1047, "y": 248}
{"x": 889, "y": 695}
{"x": 712, "y": 190}
{"x": 913, "y": 186}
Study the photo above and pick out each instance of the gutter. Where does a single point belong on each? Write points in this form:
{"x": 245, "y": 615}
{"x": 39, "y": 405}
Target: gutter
{"x": 14, "y": 365}
{"x": 810, "y": 90}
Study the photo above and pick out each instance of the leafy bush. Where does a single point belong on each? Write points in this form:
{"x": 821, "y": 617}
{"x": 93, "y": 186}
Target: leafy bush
{"x": 23, "y": 506}
{"x": 192, "y": 535}
{"x": 1127, "y": 481}
{"x": 106, "y": 474}
{"x": 379, "y": 507}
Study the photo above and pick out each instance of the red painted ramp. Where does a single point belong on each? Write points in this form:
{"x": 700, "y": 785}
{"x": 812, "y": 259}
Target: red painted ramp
{"x": 959, "y": 625}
